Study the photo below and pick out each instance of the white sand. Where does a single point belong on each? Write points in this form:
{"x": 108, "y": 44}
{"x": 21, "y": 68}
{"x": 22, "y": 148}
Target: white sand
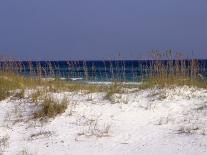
{"x": 159, "y": 121}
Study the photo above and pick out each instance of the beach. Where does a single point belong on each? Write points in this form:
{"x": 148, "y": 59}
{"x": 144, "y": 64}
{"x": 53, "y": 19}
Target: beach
{"x": 169, "y": 120}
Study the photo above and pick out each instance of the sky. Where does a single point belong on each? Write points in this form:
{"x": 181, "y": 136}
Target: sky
{"x": 101, "y": 29}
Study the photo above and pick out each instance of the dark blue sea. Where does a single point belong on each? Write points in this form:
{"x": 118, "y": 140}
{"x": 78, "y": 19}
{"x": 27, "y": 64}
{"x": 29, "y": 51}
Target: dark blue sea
{"x": 122, "y": 70}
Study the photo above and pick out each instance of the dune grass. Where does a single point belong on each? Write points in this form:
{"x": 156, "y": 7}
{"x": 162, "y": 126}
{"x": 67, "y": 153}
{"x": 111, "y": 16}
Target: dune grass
{"x": 169, "y": 69}
{"x": 172, "y": 80}
{"x": 176, "y": 71}
{"x": 50, "y": 108}
{"x": 9, "y": 82}
{"x": 114, "y": 87}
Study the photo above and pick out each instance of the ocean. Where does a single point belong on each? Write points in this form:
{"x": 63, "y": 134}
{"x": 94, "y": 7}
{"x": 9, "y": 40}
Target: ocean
{"x": 121, "y": 70}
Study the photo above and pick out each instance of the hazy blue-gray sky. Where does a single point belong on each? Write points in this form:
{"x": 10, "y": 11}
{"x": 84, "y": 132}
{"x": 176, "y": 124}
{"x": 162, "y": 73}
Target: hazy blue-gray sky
{"x": 97, "y": 29}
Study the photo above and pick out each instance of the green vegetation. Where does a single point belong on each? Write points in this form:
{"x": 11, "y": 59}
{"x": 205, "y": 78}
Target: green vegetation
{"x": 36, "y": 95}
{"x": 12, "y": 82}
{"x": 62, "y": 85}
{"x": 7, "y": 84}
{"x": 176, "y": 71}
{"x": 172, "y": 80}
{"x": 51, "y": 108}
{"x": 113, "y": 88}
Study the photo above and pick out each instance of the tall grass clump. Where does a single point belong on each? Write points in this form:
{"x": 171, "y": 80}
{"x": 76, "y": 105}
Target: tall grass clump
{"x": 167, "y": 69}
{"x": 113, "y": 88}
{"x": 51, "y": 108}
